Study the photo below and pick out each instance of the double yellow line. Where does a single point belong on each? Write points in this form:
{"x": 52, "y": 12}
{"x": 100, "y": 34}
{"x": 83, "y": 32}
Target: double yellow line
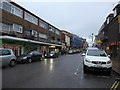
{"x": 115, "y": 85}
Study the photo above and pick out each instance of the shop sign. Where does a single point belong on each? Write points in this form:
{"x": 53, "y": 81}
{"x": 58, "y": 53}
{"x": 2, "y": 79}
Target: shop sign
{"x": 111, "y": 44}
{"x": 119, "y": 19}
{"x": 99, "y": 41}
{"x": 52, "y": 46}
{"x": 118, "y": 43}
{"x": 0, "y": 41}
{"x": 7, "y": 46}
{"x": 68, "y": 44}
{"x": 11, "y": 42}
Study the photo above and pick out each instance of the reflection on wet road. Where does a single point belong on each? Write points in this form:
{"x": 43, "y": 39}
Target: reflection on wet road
{"x": 63, "y": 72}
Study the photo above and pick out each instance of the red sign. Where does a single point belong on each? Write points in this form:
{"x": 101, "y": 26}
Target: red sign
{"x": 111, "y": 44}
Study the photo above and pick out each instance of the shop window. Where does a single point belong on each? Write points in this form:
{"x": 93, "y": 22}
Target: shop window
{"x": 20, "y": 50}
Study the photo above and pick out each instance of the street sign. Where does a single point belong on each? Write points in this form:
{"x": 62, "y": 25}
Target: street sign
{"x": 99, "y": 41}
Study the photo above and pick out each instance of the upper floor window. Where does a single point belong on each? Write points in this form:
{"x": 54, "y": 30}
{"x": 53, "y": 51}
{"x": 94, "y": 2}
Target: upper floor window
{"x": 34, "y": 33}
{"x": 12, "y": 9}
{"x": 51, "y": 29}
{"x": 6, "y": 27}
{"x": 115, "y": 12}
{"x": 31, "y": 18}
{"x": 17, "y": 28}
{"x": 57, "y": 32}
{"x": 108, "y": 20}
{"x": 7, "y": 7}
{"x": 41, "y": 35}
{"x": 1, "y": 4}
{"x": 18, "y": 12}
{"x": 43, "y": 24}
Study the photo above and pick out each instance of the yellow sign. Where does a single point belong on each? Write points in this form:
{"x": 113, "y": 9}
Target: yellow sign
{"x": 119, "y": 19}
{"x": 52, "y": 46}
{"x": 99, "y": 41}
{"x": 68, "y": 44}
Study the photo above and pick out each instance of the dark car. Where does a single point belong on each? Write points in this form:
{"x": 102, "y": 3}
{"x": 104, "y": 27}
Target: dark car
{"x": 52, "y": 54}
{"x": 30, "y": 56}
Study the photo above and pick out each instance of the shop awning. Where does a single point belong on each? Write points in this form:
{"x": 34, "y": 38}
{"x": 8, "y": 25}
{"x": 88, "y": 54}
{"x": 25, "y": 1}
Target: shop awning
{"x": 26, "y": 40}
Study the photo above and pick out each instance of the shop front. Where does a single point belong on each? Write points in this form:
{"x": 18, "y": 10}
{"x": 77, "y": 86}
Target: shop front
{"x": 114, "y": 49}
{"x": 16, "y": 46}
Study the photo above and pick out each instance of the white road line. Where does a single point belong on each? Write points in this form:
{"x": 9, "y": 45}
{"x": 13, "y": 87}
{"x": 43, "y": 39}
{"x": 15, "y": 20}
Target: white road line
{"x": 104, "y": 76}
{"x": 75, "y": 73}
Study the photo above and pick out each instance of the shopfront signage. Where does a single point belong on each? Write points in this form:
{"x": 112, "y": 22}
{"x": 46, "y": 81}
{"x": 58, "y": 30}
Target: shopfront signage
{"x": 119, "y": 19}
{"x": 111, "y": 44}
{"x": 118, "y": 43}
{"x": 11, "y": 42}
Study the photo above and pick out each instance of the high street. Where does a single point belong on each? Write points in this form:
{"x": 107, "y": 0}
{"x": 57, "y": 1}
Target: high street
{"x": 63, "y": 72}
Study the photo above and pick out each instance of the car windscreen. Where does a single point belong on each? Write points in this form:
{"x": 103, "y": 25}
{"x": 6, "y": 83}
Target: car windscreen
{"x": 4, "y": 52}
{"x": 96, "y": 53}
{"x": 52, "y": 52}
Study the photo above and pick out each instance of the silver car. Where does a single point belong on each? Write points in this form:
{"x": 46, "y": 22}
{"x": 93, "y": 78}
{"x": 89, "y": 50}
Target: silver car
{"x": 7, "y": 57}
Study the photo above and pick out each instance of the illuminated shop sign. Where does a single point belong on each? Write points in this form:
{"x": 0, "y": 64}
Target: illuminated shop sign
{"x": 119, "y": 19}
{"x": 111, "y": 44}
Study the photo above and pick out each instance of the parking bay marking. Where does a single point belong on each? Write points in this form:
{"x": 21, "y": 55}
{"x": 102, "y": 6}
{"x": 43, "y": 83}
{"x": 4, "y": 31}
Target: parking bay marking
{"x": 104, "y": 76}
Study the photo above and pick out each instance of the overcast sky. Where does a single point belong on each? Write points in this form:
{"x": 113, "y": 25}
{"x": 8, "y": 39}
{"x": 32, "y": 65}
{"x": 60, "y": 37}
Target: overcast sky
{"x": 80, "y": 18}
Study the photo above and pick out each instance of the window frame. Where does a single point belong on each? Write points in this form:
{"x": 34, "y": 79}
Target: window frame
{"x": 19, "y": 27}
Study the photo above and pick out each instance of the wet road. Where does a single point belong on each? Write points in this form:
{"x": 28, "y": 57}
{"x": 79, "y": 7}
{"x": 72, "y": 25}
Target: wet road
{"x": 63, "y": 72}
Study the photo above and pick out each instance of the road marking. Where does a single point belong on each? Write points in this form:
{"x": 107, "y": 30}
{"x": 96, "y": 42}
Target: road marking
{"x": 75, "y": 73}
{"x": 104, "y": 76}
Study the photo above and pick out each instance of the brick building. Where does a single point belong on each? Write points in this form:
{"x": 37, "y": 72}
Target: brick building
{"x": 23, "y": 31}
{"x": 109, "y": 34}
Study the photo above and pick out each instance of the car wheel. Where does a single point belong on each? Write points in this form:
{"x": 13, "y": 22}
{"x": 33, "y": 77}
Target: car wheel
{"x": 12, "y": 63}
{"x": 84, "y": 69}
{"x": 29, "y": 60}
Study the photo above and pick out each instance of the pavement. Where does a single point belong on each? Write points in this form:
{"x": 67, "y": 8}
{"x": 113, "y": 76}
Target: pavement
{"x": 63, "y": 72}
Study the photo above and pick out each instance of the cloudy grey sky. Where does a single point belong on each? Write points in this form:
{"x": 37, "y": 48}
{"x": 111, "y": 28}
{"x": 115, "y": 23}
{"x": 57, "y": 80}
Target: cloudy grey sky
{"x": 81, "y": 18}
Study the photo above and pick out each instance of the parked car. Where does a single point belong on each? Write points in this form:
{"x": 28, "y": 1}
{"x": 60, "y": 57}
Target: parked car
{"x": 70, "y": 52}
{"x": 30, "y": 57}
{"x": 52, "y": 54}
{"x": 7, "y": 57}
{"x": 96, "y": 59}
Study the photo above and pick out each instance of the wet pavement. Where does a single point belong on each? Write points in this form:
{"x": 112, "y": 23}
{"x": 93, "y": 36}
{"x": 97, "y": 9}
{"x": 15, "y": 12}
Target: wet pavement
{"x": 62, "y": 72}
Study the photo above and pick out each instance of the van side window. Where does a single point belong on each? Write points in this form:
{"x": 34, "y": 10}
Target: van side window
{"x": 6, "y": 52}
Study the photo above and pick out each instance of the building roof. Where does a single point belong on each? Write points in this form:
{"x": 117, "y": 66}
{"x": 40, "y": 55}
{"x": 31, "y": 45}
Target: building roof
{"x": 118, "y": 5}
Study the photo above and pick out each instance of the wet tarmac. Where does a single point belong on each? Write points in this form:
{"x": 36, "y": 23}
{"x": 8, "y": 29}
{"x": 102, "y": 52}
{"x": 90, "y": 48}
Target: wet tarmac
{"x": 62, "y": 72}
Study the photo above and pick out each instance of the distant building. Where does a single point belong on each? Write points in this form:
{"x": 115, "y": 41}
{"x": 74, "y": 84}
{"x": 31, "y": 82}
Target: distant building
{"x": 76, "y": 41}
{"x": 66, "y": 38}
